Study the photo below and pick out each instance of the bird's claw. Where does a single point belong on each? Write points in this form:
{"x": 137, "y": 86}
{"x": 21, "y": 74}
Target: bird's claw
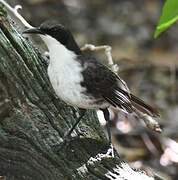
{"x": 66, "y": 140}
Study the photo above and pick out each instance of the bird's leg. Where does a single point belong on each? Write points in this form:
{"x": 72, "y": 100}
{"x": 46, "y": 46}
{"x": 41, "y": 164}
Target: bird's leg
{"x": 67, "y": 136}
{"x": 108, "y": 128}
{"x": 76, "y": 123}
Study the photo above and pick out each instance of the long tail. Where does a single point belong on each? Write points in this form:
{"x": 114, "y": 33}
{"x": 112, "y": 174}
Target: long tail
{"x": 143, "y": 107}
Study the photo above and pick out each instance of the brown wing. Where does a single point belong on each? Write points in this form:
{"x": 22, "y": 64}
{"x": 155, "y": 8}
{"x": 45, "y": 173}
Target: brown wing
{"x": 144, "y": 107}
{"x": 102, "y": 82}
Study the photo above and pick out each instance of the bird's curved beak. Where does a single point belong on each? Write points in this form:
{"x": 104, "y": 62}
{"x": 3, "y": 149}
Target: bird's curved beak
{"x": 32, "y": 30}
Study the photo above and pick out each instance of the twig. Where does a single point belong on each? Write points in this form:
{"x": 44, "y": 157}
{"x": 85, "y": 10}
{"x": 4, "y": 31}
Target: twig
{"x": 107, "y": 50}
{"x": 149, "y": 121}
{"x": 15, "y": 12}
{"x": 149, "y": 144}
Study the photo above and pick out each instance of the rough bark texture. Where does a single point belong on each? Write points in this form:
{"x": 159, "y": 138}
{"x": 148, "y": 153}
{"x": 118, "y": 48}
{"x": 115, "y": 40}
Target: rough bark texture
{"x": 33, "y": 121}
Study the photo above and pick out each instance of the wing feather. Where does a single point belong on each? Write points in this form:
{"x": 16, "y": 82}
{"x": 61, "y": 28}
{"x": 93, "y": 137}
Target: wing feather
{"x": 103, "y": 83}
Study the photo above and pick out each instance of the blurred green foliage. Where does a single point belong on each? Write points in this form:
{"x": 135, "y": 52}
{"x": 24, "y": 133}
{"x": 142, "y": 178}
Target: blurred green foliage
{"x": 168, "y": 17}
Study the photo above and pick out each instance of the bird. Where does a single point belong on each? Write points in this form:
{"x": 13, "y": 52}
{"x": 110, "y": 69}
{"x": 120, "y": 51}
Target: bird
{"x": 81, "y": 80}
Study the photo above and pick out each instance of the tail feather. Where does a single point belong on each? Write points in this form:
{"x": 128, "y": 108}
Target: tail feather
{"x": 143, "y": 107}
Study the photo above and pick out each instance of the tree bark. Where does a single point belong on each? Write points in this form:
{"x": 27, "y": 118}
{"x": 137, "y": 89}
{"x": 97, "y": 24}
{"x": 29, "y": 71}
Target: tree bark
{"x": 33, "y": 122}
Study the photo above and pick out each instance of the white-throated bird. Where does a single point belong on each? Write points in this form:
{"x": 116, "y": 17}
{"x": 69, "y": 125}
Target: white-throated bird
{"x": 81, "y": 80}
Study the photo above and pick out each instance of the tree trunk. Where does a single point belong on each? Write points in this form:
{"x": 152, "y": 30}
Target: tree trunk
{"x": 33, "y": 122}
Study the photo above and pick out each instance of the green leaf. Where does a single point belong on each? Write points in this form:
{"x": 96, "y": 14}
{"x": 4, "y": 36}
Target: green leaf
{"x": 168, "y": 17}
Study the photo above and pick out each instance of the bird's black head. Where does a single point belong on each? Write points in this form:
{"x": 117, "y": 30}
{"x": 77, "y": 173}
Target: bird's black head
{"x": 58, "y": 32}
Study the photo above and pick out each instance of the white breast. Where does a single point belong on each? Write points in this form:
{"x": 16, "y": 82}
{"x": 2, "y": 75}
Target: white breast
{"x": 65, "y": 75}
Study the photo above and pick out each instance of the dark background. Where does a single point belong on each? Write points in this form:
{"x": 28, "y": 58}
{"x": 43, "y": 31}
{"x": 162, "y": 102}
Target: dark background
{"x": 148, "y": 65}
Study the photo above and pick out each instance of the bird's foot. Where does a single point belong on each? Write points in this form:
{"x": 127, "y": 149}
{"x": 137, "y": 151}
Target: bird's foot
{"x": 60, "y": 147}
{"x": 67, "y": 139}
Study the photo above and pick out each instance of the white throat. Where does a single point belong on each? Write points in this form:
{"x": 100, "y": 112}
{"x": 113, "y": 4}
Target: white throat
{"x": 58, "y": 52}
